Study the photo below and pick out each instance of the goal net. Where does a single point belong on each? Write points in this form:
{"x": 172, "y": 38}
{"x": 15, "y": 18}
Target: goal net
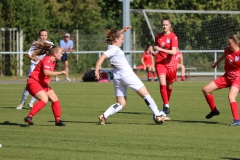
{"x": 196, "y": 30}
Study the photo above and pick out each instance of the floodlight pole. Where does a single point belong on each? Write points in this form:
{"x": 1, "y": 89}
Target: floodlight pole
{"x": 127, "y": 34}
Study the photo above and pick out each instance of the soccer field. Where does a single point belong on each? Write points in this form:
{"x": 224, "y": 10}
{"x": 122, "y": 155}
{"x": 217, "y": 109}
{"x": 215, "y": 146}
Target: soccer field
{"x": 128, "y": 135}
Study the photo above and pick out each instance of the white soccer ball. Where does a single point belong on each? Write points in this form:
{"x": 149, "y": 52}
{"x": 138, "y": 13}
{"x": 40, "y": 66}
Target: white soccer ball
{"x": 159, "y": 122}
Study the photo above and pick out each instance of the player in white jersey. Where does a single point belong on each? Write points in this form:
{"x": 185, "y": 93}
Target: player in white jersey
{"x": 34, "y": 61}
{"x": 123, "y": 77}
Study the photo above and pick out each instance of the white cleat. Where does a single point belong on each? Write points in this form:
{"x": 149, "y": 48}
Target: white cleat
{"x": 57, "y": 79}
{"x": 30, "y": 105}
{"x": 20, "y": 106}
{"x": 67, "y": 80}
{"x": 102, "y": 120}
{"x": 161, "y": 119}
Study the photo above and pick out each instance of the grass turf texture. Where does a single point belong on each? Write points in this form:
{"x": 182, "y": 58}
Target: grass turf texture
{"x": 130, "y": 134}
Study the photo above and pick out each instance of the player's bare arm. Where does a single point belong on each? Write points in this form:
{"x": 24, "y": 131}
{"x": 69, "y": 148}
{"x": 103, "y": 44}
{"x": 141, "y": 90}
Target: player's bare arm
{"x": 98, "y": 65}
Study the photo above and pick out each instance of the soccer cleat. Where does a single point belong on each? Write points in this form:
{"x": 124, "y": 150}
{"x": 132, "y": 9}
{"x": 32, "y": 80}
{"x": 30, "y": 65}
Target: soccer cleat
{"x": 57, "y": 79}
{"x": 213, "y": 113}
{"x": 161, "y": 119}
{"x": 166, "y": 109}
{"x": 102, "y": 120}
{"x": 59, "y": 123}
{"x": 67, "y": 80}
{"x": 155, "y": 79}
{"x": 165, "y": 118}
{"x": 235, "y": 123}
{"x": 28, "y": 120}
{"x": 20, "y": 106}
{"x": 30, "y": 105}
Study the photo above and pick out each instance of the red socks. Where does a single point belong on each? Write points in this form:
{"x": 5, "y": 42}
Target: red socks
{"x": 210, "y": 101}
{"x": 36, "y": 108}
{"x": 155, "y": 75}
{"x": 56, "y": 108}
{"x": 234, "y": 108}
{"x": 169, "y": 93}
{"x": 164, "y": 94}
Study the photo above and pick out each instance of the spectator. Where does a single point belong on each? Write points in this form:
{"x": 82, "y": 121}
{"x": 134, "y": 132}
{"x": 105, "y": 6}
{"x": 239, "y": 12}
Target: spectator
{"x": 148, "y": 62}
{"x": 67, "y": 46}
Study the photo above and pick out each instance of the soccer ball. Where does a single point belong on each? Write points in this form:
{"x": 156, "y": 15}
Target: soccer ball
{"x": 155, "y": 120}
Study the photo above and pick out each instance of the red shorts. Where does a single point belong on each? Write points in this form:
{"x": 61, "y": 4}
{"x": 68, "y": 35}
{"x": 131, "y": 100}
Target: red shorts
{"x": 170, "y": 73}
{"x": 223, "y": 82}
{"x": 35, "y": 87}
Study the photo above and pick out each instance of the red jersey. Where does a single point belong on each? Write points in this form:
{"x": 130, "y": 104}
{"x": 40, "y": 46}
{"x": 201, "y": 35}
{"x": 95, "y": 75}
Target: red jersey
{"x": 166, "y": 42}
{"x": 178, "y": 56}
{"x": 147, "y": 58}
{"x": 38, "y": 75}
{"x": 232, "y": 64}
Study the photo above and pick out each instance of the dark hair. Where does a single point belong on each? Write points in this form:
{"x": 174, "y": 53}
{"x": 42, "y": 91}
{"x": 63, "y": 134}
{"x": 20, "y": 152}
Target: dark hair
{"x": 148, "y": 45}
{"x": 41, "y": 30}
{"x": 111, "y": 35}
{"x": 167, "y": 19}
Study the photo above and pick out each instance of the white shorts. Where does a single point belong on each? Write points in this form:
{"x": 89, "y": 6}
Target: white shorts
{"x": 132, "y": 81}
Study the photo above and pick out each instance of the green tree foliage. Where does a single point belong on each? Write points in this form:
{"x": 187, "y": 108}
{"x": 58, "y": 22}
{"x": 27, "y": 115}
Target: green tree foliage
{"x": 92, "y": 17}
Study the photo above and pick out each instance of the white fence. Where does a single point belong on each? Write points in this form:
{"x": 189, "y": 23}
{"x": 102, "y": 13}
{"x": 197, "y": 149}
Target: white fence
{"x": 213, "y": 53}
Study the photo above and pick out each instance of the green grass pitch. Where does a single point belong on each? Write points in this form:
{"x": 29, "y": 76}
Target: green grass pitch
{"x": 130, "y": 134}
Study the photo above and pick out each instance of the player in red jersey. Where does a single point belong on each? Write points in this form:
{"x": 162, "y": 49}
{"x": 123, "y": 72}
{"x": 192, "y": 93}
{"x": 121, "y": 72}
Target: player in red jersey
{"x": 148, "y": 62}
{"x": 166, "y": 43}
{"x": 231, "y": 79}
{"x": 180, "y": 65}
{"x": 38, "y": 82}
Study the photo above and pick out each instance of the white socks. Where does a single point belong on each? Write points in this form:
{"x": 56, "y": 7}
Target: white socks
{"x": 24, "y": 95}
{"x": 112, "y": 110}
{"x": 33, "y": 100}
{"x": 152, "y": 105}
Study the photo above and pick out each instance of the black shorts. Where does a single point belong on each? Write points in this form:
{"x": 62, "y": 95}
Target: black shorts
{"x": 64, "y": 57}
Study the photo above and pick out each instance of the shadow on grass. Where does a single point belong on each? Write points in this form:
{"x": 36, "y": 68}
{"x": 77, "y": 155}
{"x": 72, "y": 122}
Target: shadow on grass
{"x": 27, "y": 108}
{"x": 7, "y": 123}
{"x": 134, "y": 113}
{"x": 230, "y": 158}
{"x": 192, "y": 121}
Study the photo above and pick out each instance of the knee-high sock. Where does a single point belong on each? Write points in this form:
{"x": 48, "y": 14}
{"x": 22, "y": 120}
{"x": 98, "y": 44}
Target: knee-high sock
{"x": 234, "y": 108}
{"x": 56, "y": 108}
{"x": 155, "y": 75}
{"x": 32, "y": 100}
{"x": 163, "y": 91}
{"x": 149, "y": 75}
{"x": 152, "y": 105}
{"x": 112, "y": 110}
{"x": 210, "y": 101}
{"x": 169, "y": 93}
{"x": 24, "y": 95}
{"x": 36, "y": 108}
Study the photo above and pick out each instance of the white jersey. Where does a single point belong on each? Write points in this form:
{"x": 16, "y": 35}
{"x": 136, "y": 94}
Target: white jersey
{"x": 33, "y": 63}
{"x": 118, "y": 60}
